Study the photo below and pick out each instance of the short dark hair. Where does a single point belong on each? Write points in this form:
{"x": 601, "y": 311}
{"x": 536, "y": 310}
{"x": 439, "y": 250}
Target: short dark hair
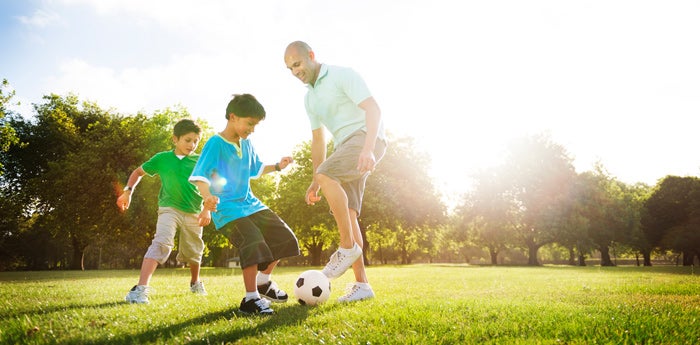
{"x": 186, "y": 126}
{"x": 245, "y": 105}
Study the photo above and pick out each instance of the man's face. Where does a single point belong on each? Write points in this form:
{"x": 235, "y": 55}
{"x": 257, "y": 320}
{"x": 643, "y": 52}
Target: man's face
{"x": 301, "y": 65}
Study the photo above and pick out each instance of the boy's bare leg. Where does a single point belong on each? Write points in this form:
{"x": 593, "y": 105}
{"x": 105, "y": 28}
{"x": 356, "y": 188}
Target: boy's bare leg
{"x": 250, "y": 274}
{"x": 338, "y": 202}
{"x": 271, "y": 267}
{"x": 194, "y": 272}
{"x": 148, "y": 266}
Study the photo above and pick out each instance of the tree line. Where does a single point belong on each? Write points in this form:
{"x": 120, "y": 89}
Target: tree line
{"x": 62, "y": 168}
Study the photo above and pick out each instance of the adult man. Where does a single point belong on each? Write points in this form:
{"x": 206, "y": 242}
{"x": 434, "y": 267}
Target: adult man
{"x": 339, "y": 100}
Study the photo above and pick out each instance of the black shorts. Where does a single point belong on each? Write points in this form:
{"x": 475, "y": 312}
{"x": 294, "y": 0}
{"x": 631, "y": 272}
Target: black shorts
{"x": 261, "y": 238}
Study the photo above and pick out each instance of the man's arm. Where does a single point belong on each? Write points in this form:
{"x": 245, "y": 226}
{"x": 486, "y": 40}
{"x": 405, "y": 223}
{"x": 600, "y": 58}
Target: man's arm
{"x": 367, "y": 161}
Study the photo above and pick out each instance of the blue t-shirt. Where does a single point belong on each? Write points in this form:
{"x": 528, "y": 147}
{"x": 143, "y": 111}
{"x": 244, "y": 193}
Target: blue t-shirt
{"x": 228, "y": 170}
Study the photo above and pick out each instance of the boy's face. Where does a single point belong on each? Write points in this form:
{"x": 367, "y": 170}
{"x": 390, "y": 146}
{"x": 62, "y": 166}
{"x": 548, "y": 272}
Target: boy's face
{"x": 186, "y": 144}
{"x": 243, "y": 126}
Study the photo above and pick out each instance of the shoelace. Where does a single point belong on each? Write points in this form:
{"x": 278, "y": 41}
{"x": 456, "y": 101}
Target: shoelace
{"x": 335, "y": 259}
{"x": 263, "y": 303}
{"x": 351, "y": 289}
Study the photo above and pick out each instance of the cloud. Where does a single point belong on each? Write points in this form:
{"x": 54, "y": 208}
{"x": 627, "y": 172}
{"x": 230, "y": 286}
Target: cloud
{"x": 40, "y": 19}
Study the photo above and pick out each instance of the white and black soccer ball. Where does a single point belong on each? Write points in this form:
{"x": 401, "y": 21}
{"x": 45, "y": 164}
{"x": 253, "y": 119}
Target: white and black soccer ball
{"x": 312, "y": 287}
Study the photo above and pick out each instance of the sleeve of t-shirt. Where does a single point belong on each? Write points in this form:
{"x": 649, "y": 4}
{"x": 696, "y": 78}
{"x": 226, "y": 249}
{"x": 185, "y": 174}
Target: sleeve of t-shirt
{"x": 152, "y": 166}
{"x": 354, "y": 86}
{"x": 207, "y": 162}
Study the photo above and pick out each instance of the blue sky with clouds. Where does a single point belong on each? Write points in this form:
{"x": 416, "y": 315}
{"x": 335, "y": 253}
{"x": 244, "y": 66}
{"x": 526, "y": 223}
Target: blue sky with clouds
{"x": 616, "y": 81}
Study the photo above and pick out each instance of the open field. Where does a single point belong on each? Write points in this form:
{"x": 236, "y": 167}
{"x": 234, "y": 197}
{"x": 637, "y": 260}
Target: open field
{"x": 417, "y": 304}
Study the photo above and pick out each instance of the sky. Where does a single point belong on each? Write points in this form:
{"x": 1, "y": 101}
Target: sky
{"x": 613, "y": 81}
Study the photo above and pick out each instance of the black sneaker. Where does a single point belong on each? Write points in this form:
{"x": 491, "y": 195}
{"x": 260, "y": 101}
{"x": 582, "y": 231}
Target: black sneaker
{"x": 273, "y": 293}
{"x": 256, "y": 306}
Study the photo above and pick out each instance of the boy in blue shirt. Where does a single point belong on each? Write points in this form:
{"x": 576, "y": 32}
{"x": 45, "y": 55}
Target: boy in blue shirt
{"x": 222, "y": 175}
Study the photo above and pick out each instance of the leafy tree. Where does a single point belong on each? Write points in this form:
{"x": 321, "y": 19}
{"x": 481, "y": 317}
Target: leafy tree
{"x": 400, "y": 197}
{"x": 671, "y": 216}
{"x": 489, "y": 213}
{"x": 667, "y": 215}
{"x": 313, "y": 225}
{"x": 8, "y": 136}
{"x": 538, "y": 175}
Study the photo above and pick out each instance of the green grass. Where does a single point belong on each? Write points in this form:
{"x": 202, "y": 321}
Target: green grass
{"x": 417, "y": 304}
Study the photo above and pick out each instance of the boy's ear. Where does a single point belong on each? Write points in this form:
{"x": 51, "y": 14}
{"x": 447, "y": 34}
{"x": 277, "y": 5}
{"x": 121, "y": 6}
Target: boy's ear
{"x": 174, "y": 138}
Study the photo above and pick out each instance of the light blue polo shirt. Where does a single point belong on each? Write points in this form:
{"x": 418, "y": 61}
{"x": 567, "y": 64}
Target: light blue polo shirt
{"x": 333, "y": 102}
{"x": 228, "y": 170}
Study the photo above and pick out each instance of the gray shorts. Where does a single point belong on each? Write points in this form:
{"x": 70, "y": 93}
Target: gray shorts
{"x": 191, "y": 246}
{"x": 341, "y": 166}
{"x": 261, "y": 238}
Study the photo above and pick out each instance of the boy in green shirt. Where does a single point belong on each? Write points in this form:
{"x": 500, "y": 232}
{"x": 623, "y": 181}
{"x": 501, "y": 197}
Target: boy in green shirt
{"x": 179, "y": 207}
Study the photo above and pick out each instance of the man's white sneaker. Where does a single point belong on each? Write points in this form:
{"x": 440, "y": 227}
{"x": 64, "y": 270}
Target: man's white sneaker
{"x": 340, "y": 261}
{"x": 198, "y": 288}
{"x": 138, "y": 294}
{"x": 355, "y": 292}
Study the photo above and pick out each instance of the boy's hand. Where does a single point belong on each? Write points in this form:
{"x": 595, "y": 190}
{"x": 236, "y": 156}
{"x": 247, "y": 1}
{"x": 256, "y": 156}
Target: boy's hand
{"x": 204, "y": 218}
{"x": 285, "y": 161}
{"x": 123, "y": 201}
{"x": 210, "y": 203}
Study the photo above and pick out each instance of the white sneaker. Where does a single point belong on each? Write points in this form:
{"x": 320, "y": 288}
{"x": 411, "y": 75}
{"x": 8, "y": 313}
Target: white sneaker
{"x": 198, "y": 288}
{"x": 340, "y": 262}
{"x": 138, "y": 294}
{"x": 355, "y": 292}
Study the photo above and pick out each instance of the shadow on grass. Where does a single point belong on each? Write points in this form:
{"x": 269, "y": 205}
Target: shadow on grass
{"x": 56, "y": 308}
{"x": 292, "y": 315}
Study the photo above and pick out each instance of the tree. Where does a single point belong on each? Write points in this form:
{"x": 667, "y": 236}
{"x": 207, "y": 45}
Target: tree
{"x": 538, "y": 176}
{"x": 8, "y": 136}
{"x": 669, "y": 214}
{"x": 313, "y": 225}
{"x": 489, "y": 214}
{"x": 400, "y": 197}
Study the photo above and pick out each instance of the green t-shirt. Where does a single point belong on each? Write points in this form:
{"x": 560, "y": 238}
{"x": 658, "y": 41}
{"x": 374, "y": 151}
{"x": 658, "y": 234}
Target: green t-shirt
{"x": 175, "y": 191}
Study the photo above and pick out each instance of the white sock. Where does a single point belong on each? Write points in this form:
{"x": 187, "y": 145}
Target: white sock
{"x": 347, "y": 250}
{"x": 263, "y": 278}
{"x": 252, "y": 295}
{"x": 363, "y": 285}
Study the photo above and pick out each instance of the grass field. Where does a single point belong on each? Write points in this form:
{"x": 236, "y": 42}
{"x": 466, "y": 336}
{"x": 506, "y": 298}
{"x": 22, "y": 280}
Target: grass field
{"x": 417, "y": 304}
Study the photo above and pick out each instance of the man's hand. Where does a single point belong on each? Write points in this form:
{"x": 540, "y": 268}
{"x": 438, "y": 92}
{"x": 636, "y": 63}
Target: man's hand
{"x": 312, "y": 196}
{"x": 366, "y": 162}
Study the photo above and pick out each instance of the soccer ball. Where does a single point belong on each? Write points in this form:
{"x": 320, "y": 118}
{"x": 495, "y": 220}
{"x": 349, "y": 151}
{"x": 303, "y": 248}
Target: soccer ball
{"x": 312, "y": 287}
